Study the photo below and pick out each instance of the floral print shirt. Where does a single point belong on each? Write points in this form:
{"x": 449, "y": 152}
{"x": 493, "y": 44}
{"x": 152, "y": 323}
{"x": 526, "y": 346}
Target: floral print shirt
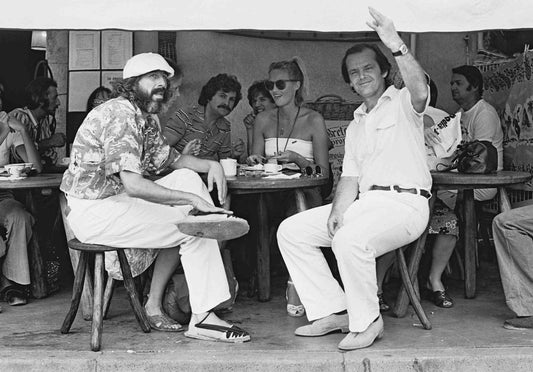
{"x": 114, "y": 137}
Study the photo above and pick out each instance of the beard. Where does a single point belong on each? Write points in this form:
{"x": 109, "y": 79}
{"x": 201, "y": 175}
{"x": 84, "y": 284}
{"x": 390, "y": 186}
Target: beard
{"x": 146, "y": 102}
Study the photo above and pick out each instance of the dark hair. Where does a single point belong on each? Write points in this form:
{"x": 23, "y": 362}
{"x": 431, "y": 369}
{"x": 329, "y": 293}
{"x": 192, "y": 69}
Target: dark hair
{"x": 433, "y": 93}
{"x": 94, "y": 94}
{"x": 472, "y": 75}
{"x": 37, "y": 90}
{"x": 383, "y": 62}
{"x": 258, "y": 87}
{"x": 224, "y": 82}
{"x": 295, "y": 73}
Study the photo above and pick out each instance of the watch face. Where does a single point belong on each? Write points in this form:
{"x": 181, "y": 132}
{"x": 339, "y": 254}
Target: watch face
{"x": 403, "y": 49}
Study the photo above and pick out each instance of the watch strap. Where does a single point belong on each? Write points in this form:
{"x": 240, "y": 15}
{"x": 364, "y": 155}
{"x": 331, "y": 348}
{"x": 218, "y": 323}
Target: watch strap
{"x": 401, "y": 51}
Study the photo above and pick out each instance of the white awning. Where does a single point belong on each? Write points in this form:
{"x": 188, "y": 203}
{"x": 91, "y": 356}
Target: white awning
{"x": 313, "y": 15}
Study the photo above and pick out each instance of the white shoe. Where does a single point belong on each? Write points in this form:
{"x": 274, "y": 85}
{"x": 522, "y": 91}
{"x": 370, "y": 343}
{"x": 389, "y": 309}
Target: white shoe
{"x": 323, "y": 326}
{"x": 360, "y": 340}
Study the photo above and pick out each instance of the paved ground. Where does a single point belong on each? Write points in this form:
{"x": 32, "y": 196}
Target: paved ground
{"x": 468, "y": 337}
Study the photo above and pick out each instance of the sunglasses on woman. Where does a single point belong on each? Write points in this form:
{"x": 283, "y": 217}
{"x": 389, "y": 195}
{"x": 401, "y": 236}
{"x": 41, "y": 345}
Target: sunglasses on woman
{"x": 280, "y": 84}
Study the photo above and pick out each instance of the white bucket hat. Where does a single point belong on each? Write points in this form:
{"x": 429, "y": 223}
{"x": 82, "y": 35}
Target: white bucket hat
{"x": 143, "y": 63}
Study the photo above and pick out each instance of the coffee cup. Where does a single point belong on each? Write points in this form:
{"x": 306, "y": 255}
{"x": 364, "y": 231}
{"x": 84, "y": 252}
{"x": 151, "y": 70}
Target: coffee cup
{"x": 16, "y": 170}
{"x": 272, "y": 167}
{"x": 229, "y": 166}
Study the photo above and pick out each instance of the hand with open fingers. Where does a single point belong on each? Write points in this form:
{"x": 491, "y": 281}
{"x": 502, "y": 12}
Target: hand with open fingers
{"x": 385, "y": 29}
{"x": 287, "y": 156}
{"x": 215, "y": 175}
{"x": 335, "y": 222}
{"x": 204, "y": 206}
{"x": 192, "y": 147}
{"x": 254, "y": 159}
{"x": 3, "y": 117}
{"x": 431, "y": 137}
{"x": 249, "y": 121}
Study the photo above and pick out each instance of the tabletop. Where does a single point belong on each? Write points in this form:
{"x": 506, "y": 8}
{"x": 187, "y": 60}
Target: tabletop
{"x": 43, "y": 180}
{"x": 268, "y": 184}
{"x": 456, "y": 180}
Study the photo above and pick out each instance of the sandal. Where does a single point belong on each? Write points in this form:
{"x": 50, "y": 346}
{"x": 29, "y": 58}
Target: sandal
{"x": 214, "y": 226}
{"x": 162, "y": 322}
{"x": 383, "y": 305}
{"x": 215, "y": 332}
{"x": 14, "y": 296}
{"x": 439, "y": 298}
{"x": 295, "y": 311}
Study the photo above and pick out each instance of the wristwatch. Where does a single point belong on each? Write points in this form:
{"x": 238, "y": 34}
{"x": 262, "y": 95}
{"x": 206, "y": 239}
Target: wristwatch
{"x": 401, "y": 51}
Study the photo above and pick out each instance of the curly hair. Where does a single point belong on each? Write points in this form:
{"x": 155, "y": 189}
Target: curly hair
{"x": 295, "y": 73}
{"x": 127, "y": 88}
{"x": 224, "y": 82}
{"x": 383, "y": 62}
{"x": 258, "y": 87}
{"x": 37, "y": 92}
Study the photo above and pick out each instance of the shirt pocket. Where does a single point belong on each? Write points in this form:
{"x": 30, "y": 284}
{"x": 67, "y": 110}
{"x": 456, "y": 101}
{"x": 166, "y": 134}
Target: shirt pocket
{"x": 384, "y": 135}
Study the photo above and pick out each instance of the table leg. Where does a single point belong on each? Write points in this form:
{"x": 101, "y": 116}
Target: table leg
{"x": 39, "y": 287}
{"x": 301, "y": 204}
{"x": 263, "y": 252}
{"x": 470, "y": 233}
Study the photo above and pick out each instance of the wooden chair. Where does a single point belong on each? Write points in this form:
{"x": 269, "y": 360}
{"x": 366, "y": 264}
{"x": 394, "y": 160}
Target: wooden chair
{"x": 86, "y": 251}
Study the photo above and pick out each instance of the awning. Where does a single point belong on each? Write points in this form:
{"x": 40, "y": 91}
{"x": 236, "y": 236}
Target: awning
{"x": 313, "y": 15}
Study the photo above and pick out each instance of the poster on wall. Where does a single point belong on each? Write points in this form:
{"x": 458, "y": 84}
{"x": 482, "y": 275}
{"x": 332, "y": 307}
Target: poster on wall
{"x": 117, "y": 48}
{"x": 81, "y": 85}
{"x": 108, "y": 77}
{"x": 509, "y": 88}
{"x": 84, "y": 50}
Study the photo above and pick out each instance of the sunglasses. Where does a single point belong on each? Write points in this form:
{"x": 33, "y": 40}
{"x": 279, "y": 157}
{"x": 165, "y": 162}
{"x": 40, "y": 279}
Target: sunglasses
{"x": 280, "y": 84}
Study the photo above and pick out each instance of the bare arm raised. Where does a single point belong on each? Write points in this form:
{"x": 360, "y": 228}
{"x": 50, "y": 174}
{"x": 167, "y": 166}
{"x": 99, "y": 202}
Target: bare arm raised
{"x": 412, "y": 74}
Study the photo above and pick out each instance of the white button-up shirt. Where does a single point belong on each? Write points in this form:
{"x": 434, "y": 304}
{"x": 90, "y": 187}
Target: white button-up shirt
{"x": 385, "y": 146}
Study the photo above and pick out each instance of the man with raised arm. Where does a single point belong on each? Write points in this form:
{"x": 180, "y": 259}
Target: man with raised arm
{"x": 381, "y": 202}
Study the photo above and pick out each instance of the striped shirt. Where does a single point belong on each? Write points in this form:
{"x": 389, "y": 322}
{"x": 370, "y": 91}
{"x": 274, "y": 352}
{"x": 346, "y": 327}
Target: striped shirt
{"x": 188, "y": 124}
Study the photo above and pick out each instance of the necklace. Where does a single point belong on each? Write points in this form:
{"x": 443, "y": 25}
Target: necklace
{"x": 280, "y": 132}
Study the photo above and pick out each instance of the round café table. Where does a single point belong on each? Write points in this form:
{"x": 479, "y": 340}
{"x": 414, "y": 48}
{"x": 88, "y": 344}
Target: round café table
{"x": 39, "y": 286}
{"x": 468, "y": 183}
{"x": 261, "y": 186}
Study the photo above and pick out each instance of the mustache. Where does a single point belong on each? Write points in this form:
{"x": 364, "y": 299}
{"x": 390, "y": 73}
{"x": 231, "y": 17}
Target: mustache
{"x": 224, "y": 107}
{"x": 161, "y": 91}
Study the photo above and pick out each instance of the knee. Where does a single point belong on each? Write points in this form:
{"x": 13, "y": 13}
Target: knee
{"x": 288, "y": 230}
{"x": 499, "y": 222}
{"x": 17, "y": 219}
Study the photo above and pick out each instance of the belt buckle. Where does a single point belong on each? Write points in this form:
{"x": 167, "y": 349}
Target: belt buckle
{"x": 395, "y": 188}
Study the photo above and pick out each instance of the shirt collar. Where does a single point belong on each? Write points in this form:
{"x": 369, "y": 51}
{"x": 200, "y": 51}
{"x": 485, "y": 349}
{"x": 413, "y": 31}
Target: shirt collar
{"x": 390, "y": 93}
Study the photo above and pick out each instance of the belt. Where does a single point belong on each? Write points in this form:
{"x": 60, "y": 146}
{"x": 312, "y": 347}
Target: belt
{"x": 426, "y": 194}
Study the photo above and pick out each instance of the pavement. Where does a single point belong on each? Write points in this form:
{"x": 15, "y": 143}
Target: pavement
{"x": 468, "y": 337}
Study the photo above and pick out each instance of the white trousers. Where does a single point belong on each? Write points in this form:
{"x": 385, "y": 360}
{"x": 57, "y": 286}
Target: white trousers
{"x": 376, "y": 223}
{"x": 123, "y": 221}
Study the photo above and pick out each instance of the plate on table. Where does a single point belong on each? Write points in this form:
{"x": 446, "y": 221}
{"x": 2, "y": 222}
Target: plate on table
{"x": 266, "y": 174}
{"x": 291, "y": 166}
{"x": 257, "y": 168}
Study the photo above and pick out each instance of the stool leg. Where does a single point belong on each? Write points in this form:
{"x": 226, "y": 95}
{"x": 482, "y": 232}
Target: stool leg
{"x": 96, "y": 329}
{"x": 408, "y": 285}
{"x": 77, "y": 289}
{"x": 138, "y": 310}
{"x": 108, "y": 294}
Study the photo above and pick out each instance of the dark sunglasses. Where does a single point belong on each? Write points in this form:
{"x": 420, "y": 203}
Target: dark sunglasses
{"x": 280, "y": 84}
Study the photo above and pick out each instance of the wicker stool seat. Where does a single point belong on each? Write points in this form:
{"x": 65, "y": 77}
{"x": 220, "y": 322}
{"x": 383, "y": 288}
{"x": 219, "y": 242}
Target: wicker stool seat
{"x": 86, "y": 251}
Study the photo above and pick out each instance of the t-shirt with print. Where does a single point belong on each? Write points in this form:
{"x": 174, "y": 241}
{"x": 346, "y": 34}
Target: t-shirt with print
{"x": 188, "y": 124}
{"x": 114, "y": 137}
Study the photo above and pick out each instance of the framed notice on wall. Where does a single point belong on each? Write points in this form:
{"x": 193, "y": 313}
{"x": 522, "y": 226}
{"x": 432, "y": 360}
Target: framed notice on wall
{"x": 117, "y": 48}
{"x": 81, "y": 84}
{"x": 109, "y": 76}
{"x": 84, "y": 50}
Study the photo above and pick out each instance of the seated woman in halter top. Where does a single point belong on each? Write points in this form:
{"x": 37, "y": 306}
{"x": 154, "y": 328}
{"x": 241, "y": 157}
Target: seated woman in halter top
{"x": 291, "y": 133}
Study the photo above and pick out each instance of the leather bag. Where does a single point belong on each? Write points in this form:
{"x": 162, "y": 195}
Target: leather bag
{"x": 477, "y": 157}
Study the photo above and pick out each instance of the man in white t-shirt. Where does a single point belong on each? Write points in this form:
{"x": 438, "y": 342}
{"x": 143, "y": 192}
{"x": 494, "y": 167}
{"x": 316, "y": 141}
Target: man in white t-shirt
{"x": 15, "y": 220}
{"x": 479, "y": 120}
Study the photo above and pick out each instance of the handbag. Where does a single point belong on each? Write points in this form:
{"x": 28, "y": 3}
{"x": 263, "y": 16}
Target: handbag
{"x": 478, "y": 157}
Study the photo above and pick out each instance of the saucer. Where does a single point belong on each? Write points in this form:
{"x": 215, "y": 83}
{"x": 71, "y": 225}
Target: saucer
{"x": 266, "y": 174}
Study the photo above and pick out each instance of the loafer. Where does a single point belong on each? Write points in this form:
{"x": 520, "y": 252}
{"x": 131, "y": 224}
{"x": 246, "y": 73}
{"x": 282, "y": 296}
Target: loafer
{"x": 323, "y": 326}
{"x": 360, "y": 340}
{"x": 519, "y": 323}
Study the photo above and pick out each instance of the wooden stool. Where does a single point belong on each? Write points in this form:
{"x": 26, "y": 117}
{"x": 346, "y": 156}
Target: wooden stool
{"x": 87, "y": 250}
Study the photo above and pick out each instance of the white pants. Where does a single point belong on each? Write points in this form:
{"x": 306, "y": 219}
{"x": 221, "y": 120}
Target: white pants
{"x": 123, "y": 221}
{"x": 376, "y": 223}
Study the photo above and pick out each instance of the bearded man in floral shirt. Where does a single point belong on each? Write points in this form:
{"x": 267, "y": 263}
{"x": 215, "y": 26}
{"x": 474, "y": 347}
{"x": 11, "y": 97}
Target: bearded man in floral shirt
{"x": 112, "y": 203}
